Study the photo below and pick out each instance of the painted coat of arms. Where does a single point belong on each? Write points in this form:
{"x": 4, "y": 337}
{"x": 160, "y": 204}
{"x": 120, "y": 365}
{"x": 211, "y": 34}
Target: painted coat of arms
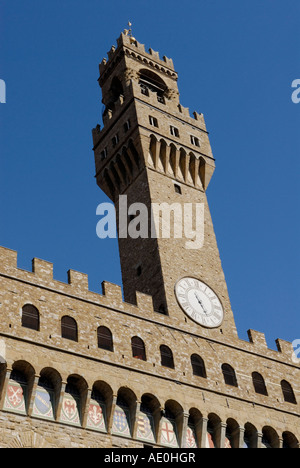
{"x": 168, "y": 433}
{"x": 15, "y": 397}
{"x": 121, "y": 421}
{"x": 96, "y": 416}
{"x": 145, "y": 428}
{"x": 43, "y": 404}
{"x": 70, "y": 411}
{"x": 191, "y": 439}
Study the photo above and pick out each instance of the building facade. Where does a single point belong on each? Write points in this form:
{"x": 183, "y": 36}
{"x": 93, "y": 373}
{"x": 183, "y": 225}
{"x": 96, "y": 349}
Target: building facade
{"x": 163, "y": 367}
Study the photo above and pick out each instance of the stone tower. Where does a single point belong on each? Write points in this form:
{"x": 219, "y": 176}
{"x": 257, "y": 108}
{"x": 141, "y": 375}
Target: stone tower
{"x": 155, "y": 153}
{"x": 163, "y": 368}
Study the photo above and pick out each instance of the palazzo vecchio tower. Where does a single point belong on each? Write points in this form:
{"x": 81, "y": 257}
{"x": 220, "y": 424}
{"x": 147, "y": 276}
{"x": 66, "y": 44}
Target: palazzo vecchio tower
{"x": 163, "y": 366}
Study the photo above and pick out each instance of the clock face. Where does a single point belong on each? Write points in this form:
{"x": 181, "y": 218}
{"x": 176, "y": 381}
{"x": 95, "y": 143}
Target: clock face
{"x": 199, "y": 302}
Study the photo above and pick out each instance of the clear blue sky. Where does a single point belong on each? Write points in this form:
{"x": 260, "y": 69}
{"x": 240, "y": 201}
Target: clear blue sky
{"x": 236, "y": 61}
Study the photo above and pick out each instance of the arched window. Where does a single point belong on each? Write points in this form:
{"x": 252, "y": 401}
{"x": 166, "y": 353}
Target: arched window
{"x": 124, "y": 413}
{"x": 192, "y": 439}
{"x": 147, "y": 421}
{"x": 138, "y": 348}
{"x": 116, "y": 89}
{"x": 97, "y": 414}
{"x": 229, "y": 375}
{"x": 172, "y": 420}
{"x": 166, "y": 357}
{"x": 30, "y": 317}
{"x": 270, "y": 438}
{"x": 151, "y": 81}
{"x": 19, "y": 387}
{"x": 250, "y": 436}
{"x": 259, "y": 384}
{"x": 202, "y": 169}
{"x": 198, "y": 366}
{"x": 73, "y": 400}
{"x": 288, "y": 393}
{"x": 69, "y": 328}
{"x": 105, "y": 339}
{"x": 213, "y": 431}
{"x": 47, "y": 394}
{"x": 16, "y": 399}
{"x": 289, "y": 440}
{"x": 232, "y": 437}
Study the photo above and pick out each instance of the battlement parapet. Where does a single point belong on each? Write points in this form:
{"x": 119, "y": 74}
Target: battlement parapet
{"x": 134, "y": 47}
{"x": 111, "y": 298}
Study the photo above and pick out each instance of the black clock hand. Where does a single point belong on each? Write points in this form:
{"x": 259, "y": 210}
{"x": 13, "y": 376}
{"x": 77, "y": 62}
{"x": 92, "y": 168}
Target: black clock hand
{"x": 200, "y": 302}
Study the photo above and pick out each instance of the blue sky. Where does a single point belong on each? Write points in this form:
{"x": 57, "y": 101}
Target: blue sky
{"x": 236, "y": 62}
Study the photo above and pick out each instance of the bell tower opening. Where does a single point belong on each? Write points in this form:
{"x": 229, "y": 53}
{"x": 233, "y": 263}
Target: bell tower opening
{"x": 150, "y": 81}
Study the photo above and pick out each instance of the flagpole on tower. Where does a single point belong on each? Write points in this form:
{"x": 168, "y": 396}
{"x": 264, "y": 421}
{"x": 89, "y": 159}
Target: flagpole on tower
{"x": 128, "y": 32}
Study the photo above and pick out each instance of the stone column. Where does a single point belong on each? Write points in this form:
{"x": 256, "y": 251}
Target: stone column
{"x": 259, "y": 440}
{"x": 60, "y": 401}
{"x": 182, "y": 426}
{"x": 238, "y": 437}
{"x": 201, "y": 431}
{"x": 134, "y": 414}
{"x": 86, "y": 407}
{"x": 4, "y": 388}
{"x": 33, "y": 394}
{"x": 220, "y": 435}
{"x": 110, "y": 417}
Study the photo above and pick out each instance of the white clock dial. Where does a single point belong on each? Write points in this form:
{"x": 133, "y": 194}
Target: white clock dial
{"x": 199, "y": 302}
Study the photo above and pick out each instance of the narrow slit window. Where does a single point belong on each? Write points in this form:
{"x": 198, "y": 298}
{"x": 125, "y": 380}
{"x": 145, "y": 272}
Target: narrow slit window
{"x": 195, "y": 141}
{"x": 103, "y": 154}
{"x": 177, "y": 189}
{"x": 115, "y": 140}
{"x": 174, "y": 131}
{"x": 127, "y": 126}
{"x": 153, "y": 121}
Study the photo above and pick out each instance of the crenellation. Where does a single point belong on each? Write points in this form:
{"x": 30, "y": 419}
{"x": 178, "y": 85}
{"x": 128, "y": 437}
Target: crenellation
{"x": 8, "y": 260}
{"x": 144, "y": 304}
{"x": 169, "y": 62}
{"x": 113, "y": 293}
{"x": 78, "y": 280}
{"x": 154, "y": 54}
{"x": 285, "y": 348}
{"x": 258, "y": 339}
{"x": 136, "y": 50}
{"x": 42, "y": 269}
{"x": 111, "y": 52}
